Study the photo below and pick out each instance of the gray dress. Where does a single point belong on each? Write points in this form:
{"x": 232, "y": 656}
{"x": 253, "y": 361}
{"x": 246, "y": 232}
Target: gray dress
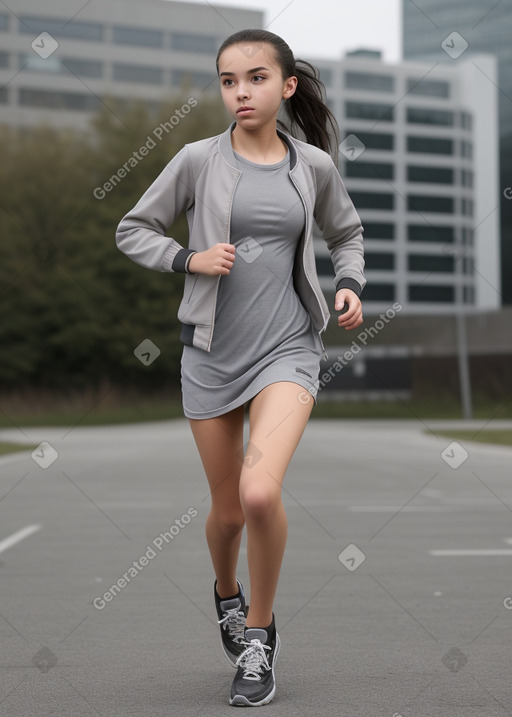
{"x": 262, "y": 331}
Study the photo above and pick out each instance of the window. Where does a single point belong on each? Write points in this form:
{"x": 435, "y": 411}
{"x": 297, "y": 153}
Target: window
{"x": 58, "y": 100}
{"x": 378, "y": 292}
{"x": 422, "y": 232}
{"x": 324, "y": 266}
{"x": 431, "y": 262}
{"x": 189, "y": 42}
{"x": 424, "y": 203}
{"x": 4, "y": 22}
{"x": 467, "y": 207}
{"x": 61, "y": 27}
{"x": 424, "y": 115}
{"x": 429, "y": 145}
{"x": 369, "y": 110}
{"x": 378, "y": 230}
{"x": 428, "y": 88}
{"x": 54, "y": 64}
{"x": 436, "y": 175}
{"x": 466, "y": 120}
{"x": 373, "y": 200}
{"x": 468, "y": 296}
{"x": 4, "y": 59}
{"x": 466, "y": 149}
{"x": 4, "y": 96}
{"x": 82, "y": 68}
{"x": 143, "y": 37}
{"x": 326, "y": 75}
{"x": 431, "y": 294}
{"x": 468, "y": 265}
{"x": 366, "y": 81}
{"x": 374, "y": 140}
{"x": 373, "y": 170}
{"x": 137, "y": 73}
{"x": 379, "y": 260}
{"x": 187, "y": 78}
{"x": 466, "y": 178}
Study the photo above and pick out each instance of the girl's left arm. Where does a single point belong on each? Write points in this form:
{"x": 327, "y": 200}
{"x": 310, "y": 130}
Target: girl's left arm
{"x": 341, "y": 228}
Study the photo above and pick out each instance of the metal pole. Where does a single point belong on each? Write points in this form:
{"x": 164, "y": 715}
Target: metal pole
{"x": 463, "y": 361}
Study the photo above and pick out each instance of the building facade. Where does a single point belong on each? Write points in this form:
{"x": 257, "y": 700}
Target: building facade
{"x": 414, "y": 135}
{"x": 59, "y": 61}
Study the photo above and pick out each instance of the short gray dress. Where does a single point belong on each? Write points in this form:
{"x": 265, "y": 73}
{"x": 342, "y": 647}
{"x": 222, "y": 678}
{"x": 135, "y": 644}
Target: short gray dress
{"x": 262, "y": 331}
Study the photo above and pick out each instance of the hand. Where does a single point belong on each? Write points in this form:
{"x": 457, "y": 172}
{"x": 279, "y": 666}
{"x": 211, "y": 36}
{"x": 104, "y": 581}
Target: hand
{"x": 353, "y": 316}
{"x": 214, "y": 261}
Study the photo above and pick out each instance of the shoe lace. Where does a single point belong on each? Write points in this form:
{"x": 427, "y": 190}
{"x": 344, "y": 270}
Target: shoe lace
{"x": 253, "y": 660}
{"x": 234, "y": 622}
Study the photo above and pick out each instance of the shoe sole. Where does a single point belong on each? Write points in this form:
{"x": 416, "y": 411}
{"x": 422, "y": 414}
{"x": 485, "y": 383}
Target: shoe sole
{"x": 241, "y": 701}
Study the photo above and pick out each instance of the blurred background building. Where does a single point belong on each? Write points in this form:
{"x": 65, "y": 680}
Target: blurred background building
{"x": 483, "y": 27}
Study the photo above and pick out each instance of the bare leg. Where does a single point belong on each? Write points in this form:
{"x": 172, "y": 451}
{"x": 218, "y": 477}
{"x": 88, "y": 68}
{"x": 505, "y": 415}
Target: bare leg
{"x": 220, "y": 444}
{"x": 277, "y": 421}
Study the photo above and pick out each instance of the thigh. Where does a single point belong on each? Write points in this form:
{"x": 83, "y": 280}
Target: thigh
{"x": 220, "y": 444}
{"x": 278, "y": 416}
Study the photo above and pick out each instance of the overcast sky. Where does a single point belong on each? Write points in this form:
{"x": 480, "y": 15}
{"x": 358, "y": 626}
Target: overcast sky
{"x": 328, "y": 28}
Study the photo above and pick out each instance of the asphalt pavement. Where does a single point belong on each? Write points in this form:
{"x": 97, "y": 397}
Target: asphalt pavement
{"x": 395, "y": 596}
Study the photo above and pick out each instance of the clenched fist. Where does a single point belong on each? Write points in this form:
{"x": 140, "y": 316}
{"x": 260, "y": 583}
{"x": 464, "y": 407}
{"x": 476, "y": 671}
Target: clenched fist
{"x": 214, "y": 261}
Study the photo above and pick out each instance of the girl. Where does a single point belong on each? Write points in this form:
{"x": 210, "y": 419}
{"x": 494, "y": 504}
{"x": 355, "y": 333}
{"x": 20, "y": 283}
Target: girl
{"x": 252, "y": 314}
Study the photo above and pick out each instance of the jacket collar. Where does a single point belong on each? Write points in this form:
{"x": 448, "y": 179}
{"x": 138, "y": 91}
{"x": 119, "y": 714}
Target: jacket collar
{"x": 226, "y": 148}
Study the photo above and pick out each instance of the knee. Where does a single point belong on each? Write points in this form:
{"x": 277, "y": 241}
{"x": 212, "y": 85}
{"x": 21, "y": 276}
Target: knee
{"x": 230, "y": 524}
{"x": 260, "y": 502}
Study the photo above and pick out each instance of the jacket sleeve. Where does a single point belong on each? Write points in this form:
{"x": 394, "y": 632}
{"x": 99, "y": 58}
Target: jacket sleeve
{"x": 341, "y": 228}
{"x": 141, "y": 233}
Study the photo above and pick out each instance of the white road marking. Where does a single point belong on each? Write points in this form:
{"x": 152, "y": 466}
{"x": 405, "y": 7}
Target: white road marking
{"x": 18, "y": 536}
{"x": 470, "y": 553}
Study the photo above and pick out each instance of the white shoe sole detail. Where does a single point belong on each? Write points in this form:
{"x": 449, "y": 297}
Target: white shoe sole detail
{"x": 241, "y": 701}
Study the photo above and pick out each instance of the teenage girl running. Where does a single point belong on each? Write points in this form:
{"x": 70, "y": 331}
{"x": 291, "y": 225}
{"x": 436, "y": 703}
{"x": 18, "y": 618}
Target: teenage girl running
{"x": 252, "y": 314}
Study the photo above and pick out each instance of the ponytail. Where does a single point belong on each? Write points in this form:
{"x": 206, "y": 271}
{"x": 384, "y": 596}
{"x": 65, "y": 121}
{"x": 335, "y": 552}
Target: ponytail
{"x": 306, "y": 108}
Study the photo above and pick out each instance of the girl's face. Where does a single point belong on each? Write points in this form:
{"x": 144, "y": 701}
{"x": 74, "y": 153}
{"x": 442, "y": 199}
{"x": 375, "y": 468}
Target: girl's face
{"x": 252, "y": 84}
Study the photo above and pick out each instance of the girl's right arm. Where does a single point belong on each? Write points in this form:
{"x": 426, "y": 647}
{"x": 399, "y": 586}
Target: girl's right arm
{"x": 141, "y": 233}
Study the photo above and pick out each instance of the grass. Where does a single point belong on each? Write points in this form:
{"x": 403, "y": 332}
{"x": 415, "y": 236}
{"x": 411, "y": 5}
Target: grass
{"x": 496, "y": 437}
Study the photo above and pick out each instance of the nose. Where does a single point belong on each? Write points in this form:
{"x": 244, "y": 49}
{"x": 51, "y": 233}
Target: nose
{"x": 243, "y": 91}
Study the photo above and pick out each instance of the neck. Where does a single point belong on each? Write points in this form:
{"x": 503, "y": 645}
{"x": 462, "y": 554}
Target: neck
{"x": 262, "y": 145}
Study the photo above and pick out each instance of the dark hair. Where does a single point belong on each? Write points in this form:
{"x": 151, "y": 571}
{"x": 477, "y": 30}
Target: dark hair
{"x": 306, "y": 108}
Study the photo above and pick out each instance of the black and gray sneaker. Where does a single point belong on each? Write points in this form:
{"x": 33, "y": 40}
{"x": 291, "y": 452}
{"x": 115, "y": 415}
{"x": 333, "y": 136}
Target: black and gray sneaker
{"x": 254, "y": 682}
{"x": 231, "y": 613}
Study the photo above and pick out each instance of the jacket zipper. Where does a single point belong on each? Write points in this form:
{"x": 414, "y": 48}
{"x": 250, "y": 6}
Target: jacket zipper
{"x": 324, "y": 356}
{"x": 218, "y": 278}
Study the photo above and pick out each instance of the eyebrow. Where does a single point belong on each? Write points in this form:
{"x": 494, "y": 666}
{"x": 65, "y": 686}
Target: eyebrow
{"x": 249, "y": 72}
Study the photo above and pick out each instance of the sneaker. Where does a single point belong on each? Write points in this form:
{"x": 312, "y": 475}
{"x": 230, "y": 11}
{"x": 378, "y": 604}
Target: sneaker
{"x": 231, "y": 613}
{"x": 254, "y": 682}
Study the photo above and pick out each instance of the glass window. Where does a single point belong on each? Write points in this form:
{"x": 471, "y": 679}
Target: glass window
{"x": 187, "y": 78}
{"x": 467, "y": 207}
{"x": 436, "y": 175}
{"x": 61, "y": 27}
{"x": 466, "y": 178}
{"x": 425, "y": 115}
{"x": 431, "y": 262}
{"x": 326, "y": 75}
{"x": 369, "y": 110}
{"x": 379, "y": 260}
{"x": 55, "y": 64}
{"x": 429, "y": 145}
{"x": 378, "y": 292}
{"x": 466, "y": 149}
{"x": 137, "y": 73}
{"x": 424, "y": 203}
{"x": 4, "y": 22}
{"x": 4, "y": 96}
{"x": 374, "y": 140}
{"x": 366, "y": 81}
{"x": 82, "y": 68}
{"x": 373, "y": 200}
{"x": 379, "y": 230}
{"x": 324, "y": 266}
{"x": 431, "y": 294}
{"x": 58, "y": 100}
{"x": 428, "y": 88}
{"x": 4, "y": 59}
{"x": 190, "y": 42}
{"x": 143, "y": 37}
{"x": 468, "y": 295}
{"x": 466, "y": 120}
{"x": 373, "y": 170}
{"x": 426, "y": 232}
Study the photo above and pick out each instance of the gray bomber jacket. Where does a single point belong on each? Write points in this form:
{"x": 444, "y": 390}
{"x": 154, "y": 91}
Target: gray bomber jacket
{"x": 201, "y": 180}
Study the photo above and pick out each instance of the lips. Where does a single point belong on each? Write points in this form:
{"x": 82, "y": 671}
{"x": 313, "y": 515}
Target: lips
{"x": 244, "y": 109}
